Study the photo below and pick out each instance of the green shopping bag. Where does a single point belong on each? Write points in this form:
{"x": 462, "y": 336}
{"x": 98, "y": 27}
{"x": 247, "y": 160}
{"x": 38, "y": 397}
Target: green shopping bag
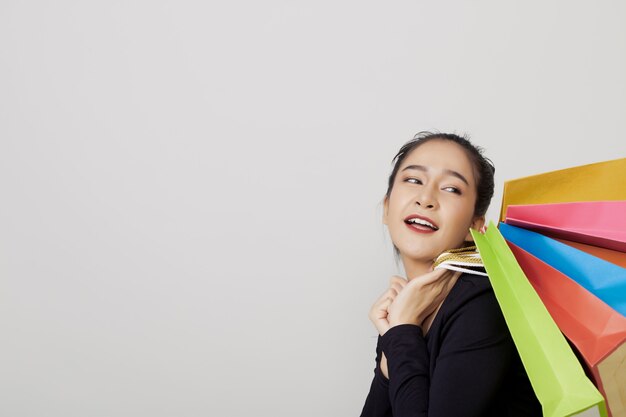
{"x": 555, "y": 373}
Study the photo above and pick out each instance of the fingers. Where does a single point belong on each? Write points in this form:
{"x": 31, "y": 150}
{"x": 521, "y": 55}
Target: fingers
{"x": 453, "y": 280}
{"x": 430, "y": 277}
{"x": 436, "y": 283}
{"x": 379, "y": 309}
{"x": 443, "y": 287}
{"x": 397, "y": 283}
{"x": 395, "y": 289}
{"x": 378, "y": 313}
{"x": 398, "y": 280}
{"x": 421, "y": 297}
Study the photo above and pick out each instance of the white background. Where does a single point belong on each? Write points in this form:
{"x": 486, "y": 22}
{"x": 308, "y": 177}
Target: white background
{"x": 190, "y": 191}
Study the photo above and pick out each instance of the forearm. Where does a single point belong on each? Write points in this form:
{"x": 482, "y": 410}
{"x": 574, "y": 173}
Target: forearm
{"x": 408, "y": 367}
{"x": 377, "y": 402}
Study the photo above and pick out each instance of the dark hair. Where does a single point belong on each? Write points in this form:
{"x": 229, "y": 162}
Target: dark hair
{"x": 484, "y": 169}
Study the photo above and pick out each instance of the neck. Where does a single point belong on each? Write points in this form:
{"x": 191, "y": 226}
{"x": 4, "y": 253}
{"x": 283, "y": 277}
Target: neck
{"x": 414, "y": 268}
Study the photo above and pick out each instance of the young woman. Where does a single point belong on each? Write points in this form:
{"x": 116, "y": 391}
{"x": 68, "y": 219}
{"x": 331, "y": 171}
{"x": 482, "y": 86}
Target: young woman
{"x": 444, "y": 349}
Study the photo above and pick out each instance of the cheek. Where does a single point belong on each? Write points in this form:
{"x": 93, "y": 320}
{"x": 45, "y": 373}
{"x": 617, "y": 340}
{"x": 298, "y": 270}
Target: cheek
{"x": 462, "y": 215}
{"x": 397, "y": 202}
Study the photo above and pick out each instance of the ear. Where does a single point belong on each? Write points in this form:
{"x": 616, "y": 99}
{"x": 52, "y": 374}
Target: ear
{"x": 477, "y": 223}
{"x": 385, "y": 209}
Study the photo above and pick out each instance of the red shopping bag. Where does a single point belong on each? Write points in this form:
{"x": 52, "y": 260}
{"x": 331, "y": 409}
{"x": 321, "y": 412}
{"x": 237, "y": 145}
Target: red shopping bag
{"x": 595, "y": 329}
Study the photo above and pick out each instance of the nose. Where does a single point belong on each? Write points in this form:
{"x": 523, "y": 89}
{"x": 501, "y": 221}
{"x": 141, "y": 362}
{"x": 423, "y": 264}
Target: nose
{"x": 425, "y": 205}
{"x": 425, "y": 199}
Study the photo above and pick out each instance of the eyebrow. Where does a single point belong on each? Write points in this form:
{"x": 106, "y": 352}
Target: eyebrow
{"x": 446, "y": 171}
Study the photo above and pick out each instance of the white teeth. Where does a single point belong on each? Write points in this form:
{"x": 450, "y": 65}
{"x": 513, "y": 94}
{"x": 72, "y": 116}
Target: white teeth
{"x": 422, "y": 222}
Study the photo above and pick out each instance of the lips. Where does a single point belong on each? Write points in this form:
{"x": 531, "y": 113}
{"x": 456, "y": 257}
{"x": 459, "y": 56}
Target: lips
{"x": 421, "y": 224}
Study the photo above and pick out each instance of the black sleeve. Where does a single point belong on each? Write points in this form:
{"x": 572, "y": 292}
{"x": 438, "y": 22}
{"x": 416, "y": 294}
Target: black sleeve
{"x": 471, "y": 365}
{"x": 377, "y": 402}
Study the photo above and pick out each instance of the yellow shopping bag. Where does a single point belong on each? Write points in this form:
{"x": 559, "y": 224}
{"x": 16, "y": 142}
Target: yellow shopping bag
{"x": 602, "y": 181}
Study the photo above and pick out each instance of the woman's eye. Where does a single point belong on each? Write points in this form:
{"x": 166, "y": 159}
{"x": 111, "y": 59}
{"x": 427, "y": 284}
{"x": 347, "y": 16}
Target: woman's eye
{"x": 452, "y": 190}
{"x": 413, "y": 180}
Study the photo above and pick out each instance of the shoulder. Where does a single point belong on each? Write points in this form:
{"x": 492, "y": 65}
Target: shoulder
{"x": 472, "y": 308}
{"x": 470, "y": 289}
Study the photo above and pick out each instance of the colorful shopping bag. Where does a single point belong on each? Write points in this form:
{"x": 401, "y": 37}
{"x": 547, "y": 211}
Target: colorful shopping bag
{"x": 605, "y": 280}
{"x": 556, "y": 375}
{"x": 597, "y": 223}
{"x": 597, "y": 331}
{"x": 595, "y": 182}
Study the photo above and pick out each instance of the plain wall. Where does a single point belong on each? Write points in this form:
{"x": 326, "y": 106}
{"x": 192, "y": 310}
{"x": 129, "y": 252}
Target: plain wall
{"x": 190, "y": 218}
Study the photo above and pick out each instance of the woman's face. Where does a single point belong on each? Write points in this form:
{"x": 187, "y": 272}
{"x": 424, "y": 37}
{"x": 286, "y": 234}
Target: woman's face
{"x": 431, "y": 206}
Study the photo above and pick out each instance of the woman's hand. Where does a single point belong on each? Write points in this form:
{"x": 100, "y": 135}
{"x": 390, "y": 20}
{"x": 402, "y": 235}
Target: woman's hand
{"x": 410, "y": 302}
{"x": 378, "y": 312}
{"x": 420, "y": 297}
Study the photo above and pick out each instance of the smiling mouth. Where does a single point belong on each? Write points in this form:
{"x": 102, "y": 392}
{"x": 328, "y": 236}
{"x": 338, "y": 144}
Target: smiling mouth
{"x": 421, "y": 224}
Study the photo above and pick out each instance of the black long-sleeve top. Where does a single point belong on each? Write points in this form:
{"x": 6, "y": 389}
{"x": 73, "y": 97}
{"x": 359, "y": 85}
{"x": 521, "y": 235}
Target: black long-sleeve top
{"x": 466, "y": 365}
